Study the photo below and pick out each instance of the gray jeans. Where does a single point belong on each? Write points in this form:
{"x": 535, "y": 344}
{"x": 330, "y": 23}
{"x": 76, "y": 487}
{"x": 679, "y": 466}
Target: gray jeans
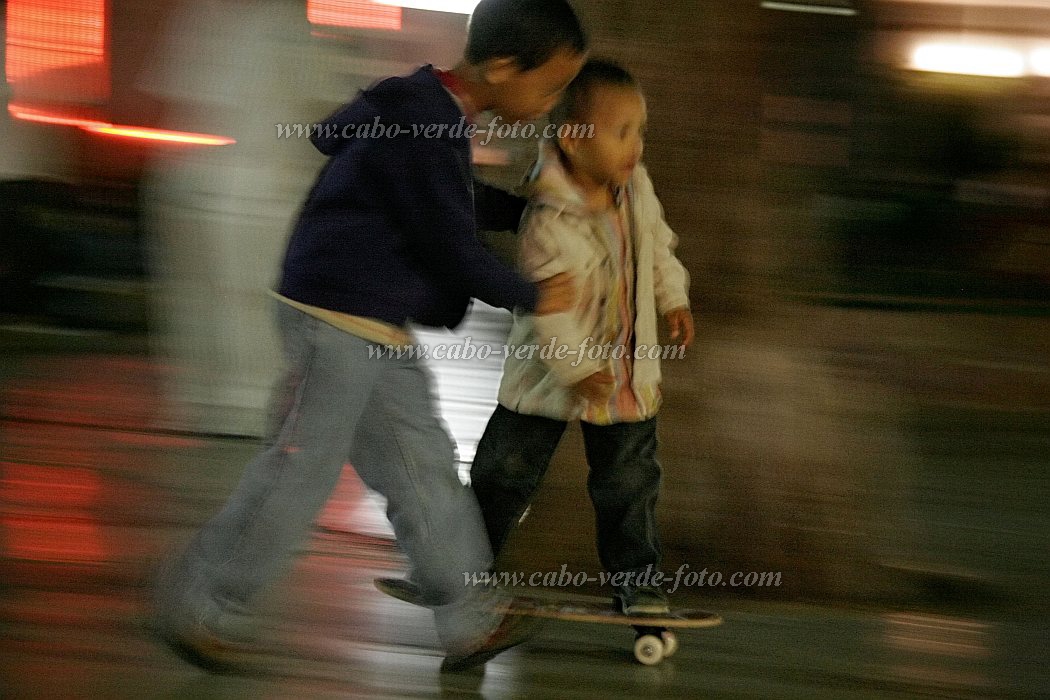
{"x": 336, "y": 403}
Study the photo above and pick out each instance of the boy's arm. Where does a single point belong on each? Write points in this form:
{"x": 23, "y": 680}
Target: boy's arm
{"x": 427, "y": 183}
{"x": 495, "y": 209}
{"x": 540, "y": 258}
{"x": 670, "y": 278}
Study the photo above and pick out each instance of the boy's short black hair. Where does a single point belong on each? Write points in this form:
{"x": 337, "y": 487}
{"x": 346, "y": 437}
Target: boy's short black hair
{"x": 596, "y": 72}
{"x": 529, "y": 31}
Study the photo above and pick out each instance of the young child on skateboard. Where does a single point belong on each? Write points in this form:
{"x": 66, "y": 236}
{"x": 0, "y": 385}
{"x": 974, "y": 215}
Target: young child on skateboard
{"x": 592, "y": 213}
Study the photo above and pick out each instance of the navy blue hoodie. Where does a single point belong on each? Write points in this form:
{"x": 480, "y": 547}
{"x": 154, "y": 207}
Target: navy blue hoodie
{"x": 389, "y": 230}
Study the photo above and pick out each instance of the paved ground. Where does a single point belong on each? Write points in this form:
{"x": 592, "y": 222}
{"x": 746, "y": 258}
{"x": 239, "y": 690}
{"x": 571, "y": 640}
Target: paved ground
{"x": 91, "y": 495}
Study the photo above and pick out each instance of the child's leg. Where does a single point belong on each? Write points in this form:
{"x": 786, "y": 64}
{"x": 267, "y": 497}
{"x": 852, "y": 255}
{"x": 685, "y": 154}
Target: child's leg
{"x": 512, "y": 457}
{"x": 624, "y": 482}
{"x": 402, "y": 451}
{"x": 341, "y": 396}
{"x": 244, "y": 548}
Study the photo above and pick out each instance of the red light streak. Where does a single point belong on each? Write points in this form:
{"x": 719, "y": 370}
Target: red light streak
{"x": 356, "y": 14}
{"x": 117, "y": 130}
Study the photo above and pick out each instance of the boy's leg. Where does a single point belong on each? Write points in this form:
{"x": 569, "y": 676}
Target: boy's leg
{"x": 512, "y": 457}
{"x": 244, "y": 548}
{"x": 624, "y": 482}
{"x": 402, "y": 451}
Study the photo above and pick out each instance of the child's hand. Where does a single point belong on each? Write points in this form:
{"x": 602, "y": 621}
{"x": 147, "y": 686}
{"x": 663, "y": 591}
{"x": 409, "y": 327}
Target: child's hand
{"x": 680, "y": 321}
{"x": 557, "y": 294}
{"x": 597, "y": 388}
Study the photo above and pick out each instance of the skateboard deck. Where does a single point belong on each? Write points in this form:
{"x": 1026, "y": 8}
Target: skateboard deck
{"x": 654, "y": 640}
{"x": 576, "y": 611}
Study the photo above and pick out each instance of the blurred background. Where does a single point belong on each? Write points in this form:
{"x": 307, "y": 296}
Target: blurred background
{"x": 860, "y": 192}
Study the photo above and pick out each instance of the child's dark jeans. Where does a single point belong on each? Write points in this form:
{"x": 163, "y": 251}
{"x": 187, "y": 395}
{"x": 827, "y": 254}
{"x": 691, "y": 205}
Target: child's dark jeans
{"x": 624, "y": 481}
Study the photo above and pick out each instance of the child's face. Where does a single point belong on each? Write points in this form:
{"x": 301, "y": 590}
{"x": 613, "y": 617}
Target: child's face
{"x": 530, "y": 94}
{"x": 609, "y": 157}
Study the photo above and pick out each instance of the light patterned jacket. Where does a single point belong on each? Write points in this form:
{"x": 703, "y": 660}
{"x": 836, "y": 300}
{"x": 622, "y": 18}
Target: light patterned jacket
{"x": 560, "y": 234}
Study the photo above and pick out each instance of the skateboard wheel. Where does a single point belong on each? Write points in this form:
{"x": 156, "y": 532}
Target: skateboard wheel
{"x": 649, "y": 649}
{"x": 670, "y": 643}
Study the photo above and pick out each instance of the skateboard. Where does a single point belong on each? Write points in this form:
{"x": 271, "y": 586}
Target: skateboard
{"x": 654, "y": 640}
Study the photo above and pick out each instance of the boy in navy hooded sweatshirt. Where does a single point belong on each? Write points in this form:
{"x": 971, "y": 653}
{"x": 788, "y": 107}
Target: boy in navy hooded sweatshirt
{"x": 386, "y": 236}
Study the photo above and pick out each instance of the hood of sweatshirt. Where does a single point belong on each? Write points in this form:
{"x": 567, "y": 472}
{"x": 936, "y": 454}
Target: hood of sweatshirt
{"x": 402, "y": 106}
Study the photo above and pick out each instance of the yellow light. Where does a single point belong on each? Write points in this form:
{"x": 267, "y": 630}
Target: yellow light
{"x": 462, "y": 7}
{"x": 969, "y": 59}
{"x": 137, "y": 132}
{"x": 1040, "y": 62}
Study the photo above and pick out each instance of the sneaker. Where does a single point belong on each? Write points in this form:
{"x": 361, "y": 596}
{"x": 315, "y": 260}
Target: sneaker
{"x": 642, "y": 600}
{"x": 513, "y": 630}
{"x": 400, "y": 588}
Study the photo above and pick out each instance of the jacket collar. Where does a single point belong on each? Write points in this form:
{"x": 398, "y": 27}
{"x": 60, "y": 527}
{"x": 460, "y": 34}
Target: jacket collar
{"x": 549, "y": 184}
